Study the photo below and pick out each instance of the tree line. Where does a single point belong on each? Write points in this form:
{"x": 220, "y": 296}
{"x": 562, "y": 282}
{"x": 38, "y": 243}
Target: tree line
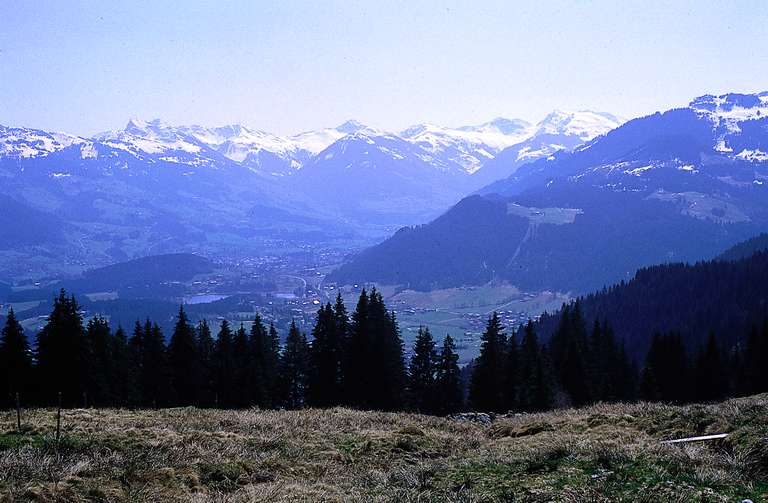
{"x": 359, "y": 361}
{"x": 580, "y": 365}
{"x": 353, "y": 360}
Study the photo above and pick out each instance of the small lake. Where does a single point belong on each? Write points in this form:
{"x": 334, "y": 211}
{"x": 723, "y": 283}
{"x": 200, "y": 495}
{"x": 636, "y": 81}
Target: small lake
{"x": 204, "y": 298}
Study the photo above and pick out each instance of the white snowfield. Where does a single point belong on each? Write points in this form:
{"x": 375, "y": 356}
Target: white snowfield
{"x": 464, "y": 148}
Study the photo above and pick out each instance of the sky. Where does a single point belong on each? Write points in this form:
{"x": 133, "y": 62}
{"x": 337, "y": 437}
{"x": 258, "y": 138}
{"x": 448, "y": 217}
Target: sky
{"x": 291, "y": 66}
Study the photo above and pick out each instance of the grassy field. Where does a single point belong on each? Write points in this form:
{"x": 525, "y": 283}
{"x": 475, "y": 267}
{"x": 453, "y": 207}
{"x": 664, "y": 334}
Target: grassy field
{"x": 600, "y": 453}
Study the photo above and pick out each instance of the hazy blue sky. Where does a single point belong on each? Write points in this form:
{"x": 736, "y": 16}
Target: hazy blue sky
{"x": 288, "y": 66}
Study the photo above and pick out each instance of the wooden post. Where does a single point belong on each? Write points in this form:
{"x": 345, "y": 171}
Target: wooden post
{"x": 18, "y": 412}
{"x": 58, "y": 420}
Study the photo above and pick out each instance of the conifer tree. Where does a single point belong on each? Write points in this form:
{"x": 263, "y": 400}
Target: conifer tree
{"x": 224, "y": 367}
{"x": 136, "y": 347}
{"x": 665, "y": 374}
{"x": 357, "y": 385}
{"x": 15, "y": 361}
{"x": 324, "y": 386}
{"x": 486, "y": 392}
{"x": 241, "y": 371}
{"x": 388, "y": 373}
{"x": 534, "y": 384}
{"x": 122, "y": 373}
{"x": 710, "y": 376}
{"x": 206, "y": 349}
{"x": 511, "y": 374}
{"x": 569, "y": 355}
{"x": 272, "y": 366}
{"x": 448, "y": 386}
{"x": 63, "y": 354}
{"x": 156, "y": 382}
{"x": 99, "y": 357}
{"x": 754, "y": 376}
{"x": 626, "y": 380}
{"x": 184, "y": 362}
{"x": 294, "y": 366}
{"x": 257, "y": 347}
{"x": 422, "y": 372}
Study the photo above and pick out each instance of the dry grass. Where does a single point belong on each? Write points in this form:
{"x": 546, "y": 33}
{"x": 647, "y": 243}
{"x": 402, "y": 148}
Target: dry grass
{"x": 600, "y": 453}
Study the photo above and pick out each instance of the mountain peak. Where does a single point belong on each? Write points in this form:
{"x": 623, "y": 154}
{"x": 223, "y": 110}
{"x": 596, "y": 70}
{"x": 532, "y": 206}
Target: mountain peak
{"x": 351, "y": 126}
{"x": 139, "y": 126}
{"x": 586, "y": 124}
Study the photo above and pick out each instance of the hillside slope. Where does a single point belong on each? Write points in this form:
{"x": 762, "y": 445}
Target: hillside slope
{"x": 682, "y": 185}
{"x": 727, "y": 298}
{"x": 600, "y": 453}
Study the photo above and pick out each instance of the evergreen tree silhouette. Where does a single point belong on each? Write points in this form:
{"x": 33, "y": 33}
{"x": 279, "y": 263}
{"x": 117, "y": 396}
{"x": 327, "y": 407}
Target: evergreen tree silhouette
{"x": 486, "y": 392}
{"x": 422, "y": 372}
{"x": 448, "y": 386}
{"x": 224, "y": 367}
{"x": 62, "y": 354}
{"x": 294, "y": 366}
{"x": 206, "y": 350}
{"x": 15, "y": 361}
{"x": 184, "y": 363}
{"x": 326, "y": 354}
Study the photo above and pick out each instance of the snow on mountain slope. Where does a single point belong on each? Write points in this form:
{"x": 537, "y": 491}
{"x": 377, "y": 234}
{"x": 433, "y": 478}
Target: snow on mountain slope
{"x": 468, "y": 146}
{"x": 25, "y": 142}
{"x": 463, "y": 150}
{"x": 584, "y": 124}
{"x": 236, "y": 141}
{"x": 153, "y": 137}
{"x": 559, "y": 130}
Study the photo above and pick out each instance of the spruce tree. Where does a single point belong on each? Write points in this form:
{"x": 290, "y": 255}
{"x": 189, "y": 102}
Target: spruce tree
{"x": 224, "y": 367}
{"x": 422, "y": 372}
{"x": 63, "y": 354}
{"x": 242, "y": 367}
{"x": 15, "y": 361}
{"x": 184, "y": 363}
{"x": 157, "y": 375}
{"x": 206, "y": 349}
{"x": 324, "y": 386}
{"x": 710, "y": 374}
{"x": 511, "y": 374}
{"x": 486, "y": 392}
{"x": 122, "y": 373}
{"x": 448, "y": 386}
{"x": 100, "y": 363}
{"x": 534, "y": 384}
{"x": 388, "y": 374}
{"x": 294, "y": 366}
{"x": 136, "y": 346}
{"x": 257, "y": 347}
{"x": 569, "y": 355}
{"x": 272, "y": 366}
{"x": 357, "y": 377}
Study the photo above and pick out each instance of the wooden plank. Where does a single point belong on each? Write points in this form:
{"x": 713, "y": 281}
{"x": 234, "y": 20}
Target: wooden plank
{"x": 695, "y": 439}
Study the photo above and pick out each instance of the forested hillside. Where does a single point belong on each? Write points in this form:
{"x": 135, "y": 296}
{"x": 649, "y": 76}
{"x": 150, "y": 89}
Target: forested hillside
{"x": 725, "y": 298}
{"x": 746, "y": 249}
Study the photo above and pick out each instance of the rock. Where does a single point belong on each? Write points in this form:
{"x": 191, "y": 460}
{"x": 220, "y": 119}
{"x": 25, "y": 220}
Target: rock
{"x": 473, "y": 417}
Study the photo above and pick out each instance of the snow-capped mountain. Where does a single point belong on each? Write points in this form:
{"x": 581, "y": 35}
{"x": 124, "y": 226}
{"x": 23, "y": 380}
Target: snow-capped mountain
{"x": 682, "y": 185}
{"x": 469, "y": 146}
{"x": 151, "y": 173}
{"x": 372, "y": 175}
{"x": 27, "y": 143}
{"x": 276, "y": 155}
{"x": 558, "y": 131}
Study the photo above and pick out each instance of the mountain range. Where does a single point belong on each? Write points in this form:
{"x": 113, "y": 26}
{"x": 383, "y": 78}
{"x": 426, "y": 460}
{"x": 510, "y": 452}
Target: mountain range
{"x": 675, "y": 186}
{"x": 155, "y": 188}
